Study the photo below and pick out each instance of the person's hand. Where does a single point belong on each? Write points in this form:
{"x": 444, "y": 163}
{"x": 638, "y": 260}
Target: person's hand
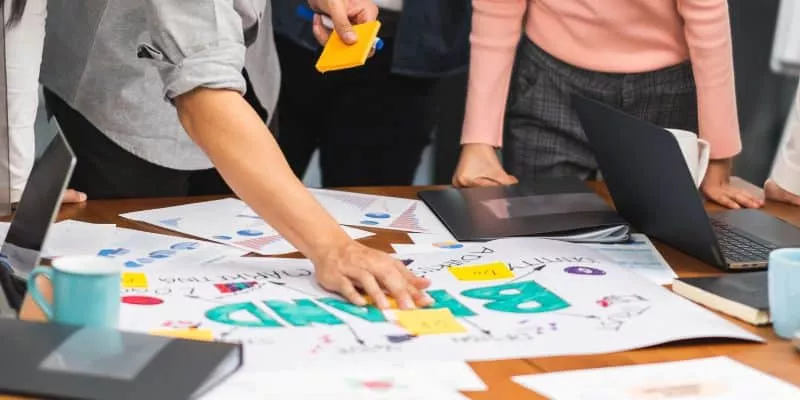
{"x": 73, "y": 196}
{"x": 353, "y": 269}
{"x": 478, "y": 165}
{"x": 777, "y": 193}
{"x": 717, "y": 187}
{"x": 343, "y": 13}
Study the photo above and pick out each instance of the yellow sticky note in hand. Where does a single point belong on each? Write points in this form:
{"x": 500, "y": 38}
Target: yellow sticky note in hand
{"x": 134, "y": 280}
{"x": 483, "y": 272}
{"x": 337, "y": 55}
{"x": 429, "y": 322}
{"x": 203, "y": 335}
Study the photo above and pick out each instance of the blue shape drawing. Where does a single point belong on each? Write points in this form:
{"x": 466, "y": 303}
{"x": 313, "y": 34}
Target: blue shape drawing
{"x": 399, "y": 338}
{"x": 112, "y": 252}
{"x": 185, "y": 246}
{"x": 249, "y": 232}
{"x": 368, "y": 222}
{"x": 132, "y": 264}
{"x": 584, "y": 271}
{"x": 145, "y": 260}
{"x": 173, "y": 222}
{"x": 161, "y": 254}
{"x": 378, "y": 215}
{"x": 222, "y": 237}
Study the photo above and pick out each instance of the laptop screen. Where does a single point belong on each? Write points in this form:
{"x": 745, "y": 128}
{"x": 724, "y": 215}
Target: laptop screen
{"x": 38, "y": 206}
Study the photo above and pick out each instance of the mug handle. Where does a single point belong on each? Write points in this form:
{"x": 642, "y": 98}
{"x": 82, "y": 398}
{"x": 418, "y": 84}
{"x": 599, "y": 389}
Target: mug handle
{"x": 37, "y": 297}
{"x": 705, "y": 159}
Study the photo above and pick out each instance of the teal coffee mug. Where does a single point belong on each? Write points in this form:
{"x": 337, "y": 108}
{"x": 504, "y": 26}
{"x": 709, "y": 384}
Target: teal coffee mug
{"x": 85, "y": 291}
{"x": 783, "y": 289}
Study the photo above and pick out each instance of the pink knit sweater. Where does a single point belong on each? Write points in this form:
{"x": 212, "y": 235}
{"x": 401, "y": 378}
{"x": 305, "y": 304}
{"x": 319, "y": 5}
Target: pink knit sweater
{"x": 623, "y": 36}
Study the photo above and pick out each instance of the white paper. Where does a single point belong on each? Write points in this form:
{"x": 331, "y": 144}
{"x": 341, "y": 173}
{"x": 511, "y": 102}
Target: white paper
{"x": 72, "y": 238}
{"x": 138, "y": 250}
{"x": 373, "y": 382}
{"x": 639, "y": 256}
{"x": 564, "y": 299}
{"x": 356, "y": 209}
{"x": 68, "y": 238}
{"x": 716, "y": 378}
{"x": 227, "y": 221}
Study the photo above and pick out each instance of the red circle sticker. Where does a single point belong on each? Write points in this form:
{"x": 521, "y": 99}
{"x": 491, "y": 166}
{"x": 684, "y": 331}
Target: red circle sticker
{"x": 142, "y": 300}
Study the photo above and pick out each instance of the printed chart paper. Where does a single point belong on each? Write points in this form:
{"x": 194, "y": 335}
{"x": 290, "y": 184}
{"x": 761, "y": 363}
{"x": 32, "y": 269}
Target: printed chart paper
{"x": 139, "y": 251}
{"x": 716, "y": 378}
{"x": 227, "y": 221}
{"x": 356, "y": 209}
{"x": 563, "y": 299}
{"x": 72, "y": 238}
{"x": 430, "y": 380}
{"x": 639, "y": 256}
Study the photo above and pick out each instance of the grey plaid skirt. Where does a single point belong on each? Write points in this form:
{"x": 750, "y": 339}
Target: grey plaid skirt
{"x": 543, "y": 136}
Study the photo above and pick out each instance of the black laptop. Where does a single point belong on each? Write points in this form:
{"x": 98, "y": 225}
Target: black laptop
{"x": 653, "y": 190}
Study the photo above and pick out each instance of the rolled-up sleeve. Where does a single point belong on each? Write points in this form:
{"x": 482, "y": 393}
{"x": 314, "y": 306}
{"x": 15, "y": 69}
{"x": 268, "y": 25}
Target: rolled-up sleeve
{"x": 195, "y": 43}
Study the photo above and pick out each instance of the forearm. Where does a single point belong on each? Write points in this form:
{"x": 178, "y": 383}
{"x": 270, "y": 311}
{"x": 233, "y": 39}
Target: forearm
{"x": 249, "y": 159}
{"x": 496, "y": 29}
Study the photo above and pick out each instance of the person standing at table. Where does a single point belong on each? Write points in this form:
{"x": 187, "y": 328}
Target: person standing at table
{"x": 116, "y": 72}
{"x": 784, "y": 182}
{"x": 372, "y": 123}
{"x": 24, "y": 38}
{"x": 668, "y": 62}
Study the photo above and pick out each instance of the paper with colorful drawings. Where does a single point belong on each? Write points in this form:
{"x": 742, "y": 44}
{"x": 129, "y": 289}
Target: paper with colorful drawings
{"x": 374, "y": 381}
{"x": 138, "y": 251}
{"x": 714, "y": 378}
{"x": 559, "y": 299}
{"x": 366, "y": 210}
{"x": 227, "y": 221}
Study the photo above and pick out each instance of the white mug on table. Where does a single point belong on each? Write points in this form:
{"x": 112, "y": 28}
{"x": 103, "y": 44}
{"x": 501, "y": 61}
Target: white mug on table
{"x": 696, "y": 152}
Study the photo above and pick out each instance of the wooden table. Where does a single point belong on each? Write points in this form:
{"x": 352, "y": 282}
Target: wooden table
{"x": 776, "y": 357}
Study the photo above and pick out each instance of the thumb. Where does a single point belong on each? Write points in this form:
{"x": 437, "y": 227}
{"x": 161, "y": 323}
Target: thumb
{"x": 341, "y": 22}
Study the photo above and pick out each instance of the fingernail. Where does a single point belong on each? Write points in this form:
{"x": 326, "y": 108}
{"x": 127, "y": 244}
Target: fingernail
{"x": 360, "y": 301}
{"x": 408, "y": 304}
{"x": 82, "y": 197}
{"x": 350, "y": 36}
{"x": 427, "y": 298}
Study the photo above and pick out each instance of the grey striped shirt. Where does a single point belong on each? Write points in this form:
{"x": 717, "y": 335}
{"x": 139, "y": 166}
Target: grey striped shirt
{"x": 119, "y": 62}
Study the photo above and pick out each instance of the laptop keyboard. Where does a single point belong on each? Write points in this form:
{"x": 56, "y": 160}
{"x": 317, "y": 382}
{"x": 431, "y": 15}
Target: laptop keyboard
{"x": 736, "y": 247}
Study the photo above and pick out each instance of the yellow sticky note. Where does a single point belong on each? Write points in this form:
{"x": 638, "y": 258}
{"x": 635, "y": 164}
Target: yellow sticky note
{"x": 337, "y": 55}
{"x": 429, "y": 322}
{"x": 483, "y": 272}
{"x": 392, "y": 302}
{"x": 204, "y": 335}
{"x": 134, "y": 280}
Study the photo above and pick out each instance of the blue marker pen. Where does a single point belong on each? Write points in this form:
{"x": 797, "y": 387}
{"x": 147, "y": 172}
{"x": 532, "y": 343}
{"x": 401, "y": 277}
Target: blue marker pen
{"x": 308, "y": 14}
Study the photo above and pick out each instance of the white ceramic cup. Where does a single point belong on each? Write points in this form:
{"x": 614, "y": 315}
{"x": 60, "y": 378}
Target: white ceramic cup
{"x": 696, "y": 152}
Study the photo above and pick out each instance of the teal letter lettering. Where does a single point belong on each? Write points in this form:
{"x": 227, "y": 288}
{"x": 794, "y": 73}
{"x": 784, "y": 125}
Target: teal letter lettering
{"x": 222, "y": 315}
{"x": 520, "y": 297}
{"x": 442, "y": 299}
{"x": 302, "y": 312}
{"x": 369, "y": 313}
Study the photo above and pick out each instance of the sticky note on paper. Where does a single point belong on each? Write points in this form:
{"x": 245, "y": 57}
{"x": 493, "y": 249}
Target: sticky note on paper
{"x": 134, "y": 280}
{"x": 483, "y": 272}
{"x": 429, "y": 322}
{"x": 204, "y": 335}
{"x": 337, "y": 55}
{"x": 392, "y": 302}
